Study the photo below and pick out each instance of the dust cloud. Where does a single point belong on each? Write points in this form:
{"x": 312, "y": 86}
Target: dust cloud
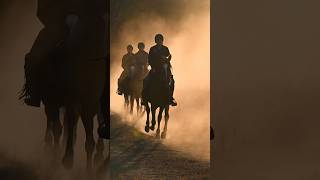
{"x": 188, "y": 39}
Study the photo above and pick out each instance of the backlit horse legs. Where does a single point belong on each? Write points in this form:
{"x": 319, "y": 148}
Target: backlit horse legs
{"x": 69, "y": 153}
{"x": 98, "y": 157}
{"x": 52, "y": 114}
{"x": 153, "y": 121}
{"x": 87, "y": 120}
{"x": 131, "y": 104}
{"x": 48, "y": 136}
{"x": 65, "y": 129}
{"x": 166, "y": 117}
{"x": 138, "y": 105}
{"x": 159, "y": 122}
{"x": 148, "y": 122}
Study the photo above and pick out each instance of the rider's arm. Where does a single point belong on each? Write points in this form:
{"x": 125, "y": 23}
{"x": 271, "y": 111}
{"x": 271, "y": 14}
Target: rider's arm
{"x": 123, "y": 63}
{"x": 151, "y": 58}
{"x": 167, "y": 55}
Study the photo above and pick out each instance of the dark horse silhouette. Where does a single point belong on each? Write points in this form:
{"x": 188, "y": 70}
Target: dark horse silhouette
{"x": 133, "y": 85}
{"x": 68, "y": 64}
{"x": 158, "y": 96}
{"x": 80, "y": 94}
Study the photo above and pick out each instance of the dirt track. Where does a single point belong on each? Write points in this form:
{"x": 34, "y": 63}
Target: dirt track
{"x": 135, "y": 155}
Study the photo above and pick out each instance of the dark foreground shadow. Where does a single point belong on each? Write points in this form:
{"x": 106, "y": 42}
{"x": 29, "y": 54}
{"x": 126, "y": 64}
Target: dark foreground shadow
{"x": 14, "y": 170}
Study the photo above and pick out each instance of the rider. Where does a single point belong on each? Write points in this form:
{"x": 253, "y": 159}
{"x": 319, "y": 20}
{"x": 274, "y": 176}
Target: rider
{"x": 141, "y": 58}
{"x": 127, "y": 62}
{"x": 159, "y": 60}
{"x": 49, "y": 39}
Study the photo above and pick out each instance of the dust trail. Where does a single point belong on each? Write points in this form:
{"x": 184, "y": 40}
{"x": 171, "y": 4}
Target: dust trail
{"x": 189, "y": 43}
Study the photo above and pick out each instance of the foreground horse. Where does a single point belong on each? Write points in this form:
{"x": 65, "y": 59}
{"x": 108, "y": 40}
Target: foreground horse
{"x": 158, "y": 97}
{"x": 80, "y": 95}
{"x": 83, "y": 96}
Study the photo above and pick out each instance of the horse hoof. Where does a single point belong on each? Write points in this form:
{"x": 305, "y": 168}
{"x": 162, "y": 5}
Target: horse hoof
{"x": 67, "y": 162}
{"x": 146, "y": 129}
{"x": 152, "y": 128}
{"x": 163, "y": 135}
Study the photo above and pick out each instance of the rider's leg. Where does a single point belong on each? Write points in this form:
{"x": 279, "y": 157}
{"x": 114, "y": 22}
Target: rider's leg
{"x": 120, "y": 83}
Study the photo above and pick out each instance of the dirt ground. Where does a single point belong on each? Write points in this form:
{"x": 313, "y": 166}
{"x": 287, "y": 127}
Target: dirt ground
{"x": 135, "y": 155}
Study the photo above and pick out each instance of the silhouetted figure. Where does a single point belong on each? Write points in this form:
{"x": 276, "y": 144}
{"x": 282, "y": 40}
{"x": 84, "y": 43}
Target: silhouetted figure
{"x": 66, "y": 67}
{"x": 159, "y": 60}
{"x": 127, "y": 62}
{"x": 137, "y": 72}
{"x": 141, "y": 58}
{"x": 48, "y": 41}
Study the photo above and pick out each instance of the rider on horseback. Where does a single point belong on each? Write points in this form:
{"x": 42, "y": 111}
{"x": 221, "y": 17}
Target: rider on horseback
{"x": 141, "y": 58}
{"x": 127, "y": 62}
{"x": 159, "y": 60}
{"x": 48, "y": 41}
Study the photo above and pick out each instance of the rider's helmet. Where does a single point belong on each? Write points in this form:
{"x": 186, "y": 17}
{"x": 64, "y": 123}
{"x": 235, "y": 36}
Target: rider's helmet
{"x": 141, "y": 46}
{"x": 159, "y": 39}
{"x": 129, "y": 48}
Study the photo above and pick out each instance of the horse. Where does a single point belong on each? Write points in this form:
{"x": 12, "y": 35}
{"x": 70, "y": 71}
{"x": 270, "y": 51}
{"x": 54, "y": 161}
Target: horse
{"x": 133, "y": 87}
{"x": 83, "y": 102}
{"x": 157, "y": 94}
{"x": 74, "y": 78}
{"x": 61, "y": 90}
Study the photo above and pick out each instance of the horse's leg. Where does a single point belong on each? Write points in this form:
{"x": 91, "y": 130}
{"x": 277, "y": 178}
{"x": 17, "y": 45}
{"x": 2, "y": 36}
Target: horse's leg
{"x": 153, "y": 122}
{"x": 166, "y": 117}
{"x": 159, "y": 122}
{"x": 87, "y": 120}
{"x": 131, "y": 104}
{"x": 98, "y": 157}
{"x": 125, "y": 101}
{"x": 49, "y": 135}
{"x": 138, "y": 105}
{"x": 52, "y": 113}
{"x": 69, "y": 153}
{"x": 148, "y": 122}
{"x": 142, "y": 108}
{"x": 65, "y": 129}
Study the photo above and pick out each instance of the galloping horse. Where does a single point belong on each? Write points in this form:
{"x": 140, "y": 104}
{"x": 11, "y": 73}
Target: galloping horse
{"x": 158, "y": 96}
{"x": 65, "y": 86}
{"x": 83, "y": 101}
{"x": 133, "y": 87}
{"x": 75, "y": 78}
